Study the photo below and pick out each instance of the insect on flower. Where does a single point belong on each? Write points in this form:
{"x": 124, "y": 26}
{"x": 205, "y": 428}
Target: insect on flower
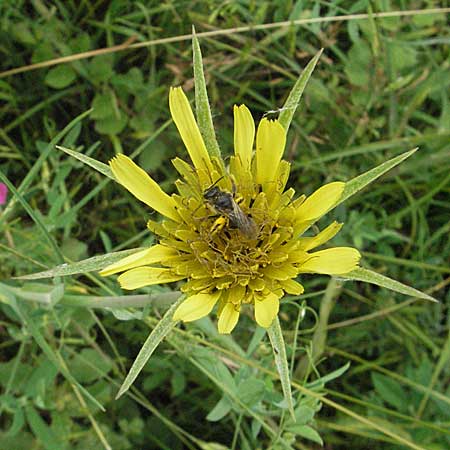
{"x": 224, "y": 203}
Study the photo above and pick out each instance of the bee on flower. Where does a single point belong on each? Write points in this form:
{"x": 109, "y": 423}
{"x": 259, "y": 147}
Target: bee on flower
{"x": 233, "y": 233}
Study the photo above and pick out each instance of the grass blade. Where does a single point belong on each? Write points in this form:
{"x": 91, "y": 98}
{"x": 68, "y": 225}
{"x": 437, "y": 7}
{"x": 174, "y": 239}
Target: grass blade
{"x": 97, "y": 165}
{"x": 87, "y": 265}
{"x": 369, "y": 276}
{"x": 279, "y": 353}
{"x": 361, "y": 181}
{"x": 203, "y": 111}
{"x": 158, "y": 333}
{"x": 37, "y": 166}
{"x": 56, "y": 360}
{"x": 36, "y": 219}
{"x": 293, "y": 100}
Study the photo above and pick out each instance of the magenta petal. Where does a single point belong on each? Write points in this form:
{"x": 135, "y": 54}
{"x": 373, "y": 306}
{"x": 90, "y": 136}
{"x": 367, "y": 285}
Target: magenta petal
{"x": 3, "y": 193}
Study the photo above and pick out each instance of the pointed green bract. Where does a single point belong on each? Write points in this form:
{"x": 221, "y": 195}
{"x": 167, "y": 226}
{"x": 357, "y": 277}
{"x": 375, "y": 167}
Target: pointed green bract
{"x": 97, "y": 165}
{"x": 279, "y": 353}
{"x": 293, "y": 100}
{"x": 87, "y": 265}
{"x": 361, "y": 181}
{"x": 161, "y": 330}
{"x": 369, "y": 276}
{"x": 202, "y": 109}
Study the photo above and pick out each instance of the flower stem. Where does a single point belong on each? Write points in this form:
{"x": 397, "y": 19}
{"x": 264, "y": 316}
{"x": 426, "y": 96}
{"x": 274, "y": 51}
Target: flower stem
{"x": 320, "y": 335}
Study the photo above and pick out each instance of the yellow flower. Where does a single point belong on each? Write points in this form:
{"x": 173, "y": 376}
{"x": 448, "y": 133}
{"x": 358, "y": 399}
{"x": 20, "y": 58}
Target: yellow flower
{"x": 234, "y": 234}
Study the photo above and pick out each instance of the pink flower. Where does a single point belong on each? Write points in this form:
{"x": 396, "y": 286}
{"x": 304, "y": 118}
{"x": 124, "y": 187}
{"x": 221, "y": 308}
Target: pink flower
{"x": 3, "y": 193}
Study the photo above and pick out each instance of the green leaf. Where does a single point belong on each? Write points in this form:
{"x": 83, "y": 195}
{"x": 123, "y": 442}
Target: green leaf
{"x": 113, "y": 124}
{"x": 328, "y": 377}
{"x": 43, "y": 432}
{"x": 97, "y": 165}
{"x": 88, "y": 366}
{"x": 164, "y": 326}
{"x": 54, "y": 357}
{"x": 222, "y": 408}
{"x": 306, "y": 432}
{"x": 251, "y": 391}
{"x": 293, "y": 100}
{"x": 279, "y": 352}
{"x": 102, "y": 105}
{"x": 87, "y": 265}
{"x": 369, "y": 276}
{"x": 361, "y": 181}
{"x": 60, "y": 77}
{"x": 203, "y": 109}
{"x": 390, "y": 391}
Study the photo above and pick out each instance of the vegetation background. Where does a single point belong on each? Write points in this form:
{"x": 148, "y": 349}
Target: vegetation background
{"x": 381, "y": 87}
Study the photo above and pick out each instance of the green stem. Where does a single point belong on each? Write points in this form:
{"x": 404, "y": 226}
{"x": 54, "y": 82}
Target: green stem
{"x": 320, "y": 335}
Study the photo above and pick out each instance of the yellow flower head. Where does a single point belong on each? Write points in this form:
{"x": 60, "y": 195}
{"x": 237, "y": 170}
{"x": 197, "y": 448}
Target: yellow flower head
{"x": 234, "y": 234}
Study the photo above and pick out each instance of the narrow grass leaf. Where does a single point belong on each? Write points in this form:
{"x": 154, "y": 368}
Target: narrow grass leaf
{"x": 279, "y": 352}
{"x": 293, "y": 100}
{"x": 40, "y": 161}
{"x": 203, "y": 110}
{"x": 97, "y": 165}
{"x": 87, "y": 265}
{"x": 328, "y": 377}
{"x": 361, "y": 181}
{"x": 164, "y": 326}
{"x": 48, "y": 438}
{"x": 48, "y": 350}
{"x": 369, "y": 276}
{"x": 36, "y": 218}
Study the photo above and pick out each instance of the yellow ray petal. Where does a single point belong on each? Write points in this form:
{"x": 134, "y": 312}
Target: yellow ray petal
{"x": 308, "y": 243}
{"x": 184, "y": 119}
{"x": 147, "y": 276}
{"x": 270, "y": 142}
{"x": 266, "y": 310}
{"x": 151, "y": 255}
{"x": 196, "y": 307}
{"x": 144, "y": 188}
{"x": 228, "y": 319}
{"x": 244, "y": 135}
{"x": 320, "y": 202}
{"x": 292, "y": 287}
{"x": 332, "y": 261}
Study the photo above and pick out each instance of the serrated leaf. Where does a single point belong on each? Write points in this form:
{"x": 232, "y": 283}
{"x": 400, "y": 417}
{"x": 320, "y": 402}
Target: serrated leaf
{"x": 279, "y": 353}
{"x": 161, "y": 330}
{"x": 361, "y": 181}
{"x": 369, "y": 276}
{"x": 87, "y": 265}
{"x": 97, "y": 165}
{"x": 293, "y": 100}
{"x": 203, "y": 110}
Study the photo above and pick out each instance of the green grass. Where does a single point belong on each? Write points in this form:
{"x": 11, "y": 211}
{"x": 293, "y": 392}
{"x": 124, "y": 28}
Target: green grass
{"x": 380, "y": 89}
